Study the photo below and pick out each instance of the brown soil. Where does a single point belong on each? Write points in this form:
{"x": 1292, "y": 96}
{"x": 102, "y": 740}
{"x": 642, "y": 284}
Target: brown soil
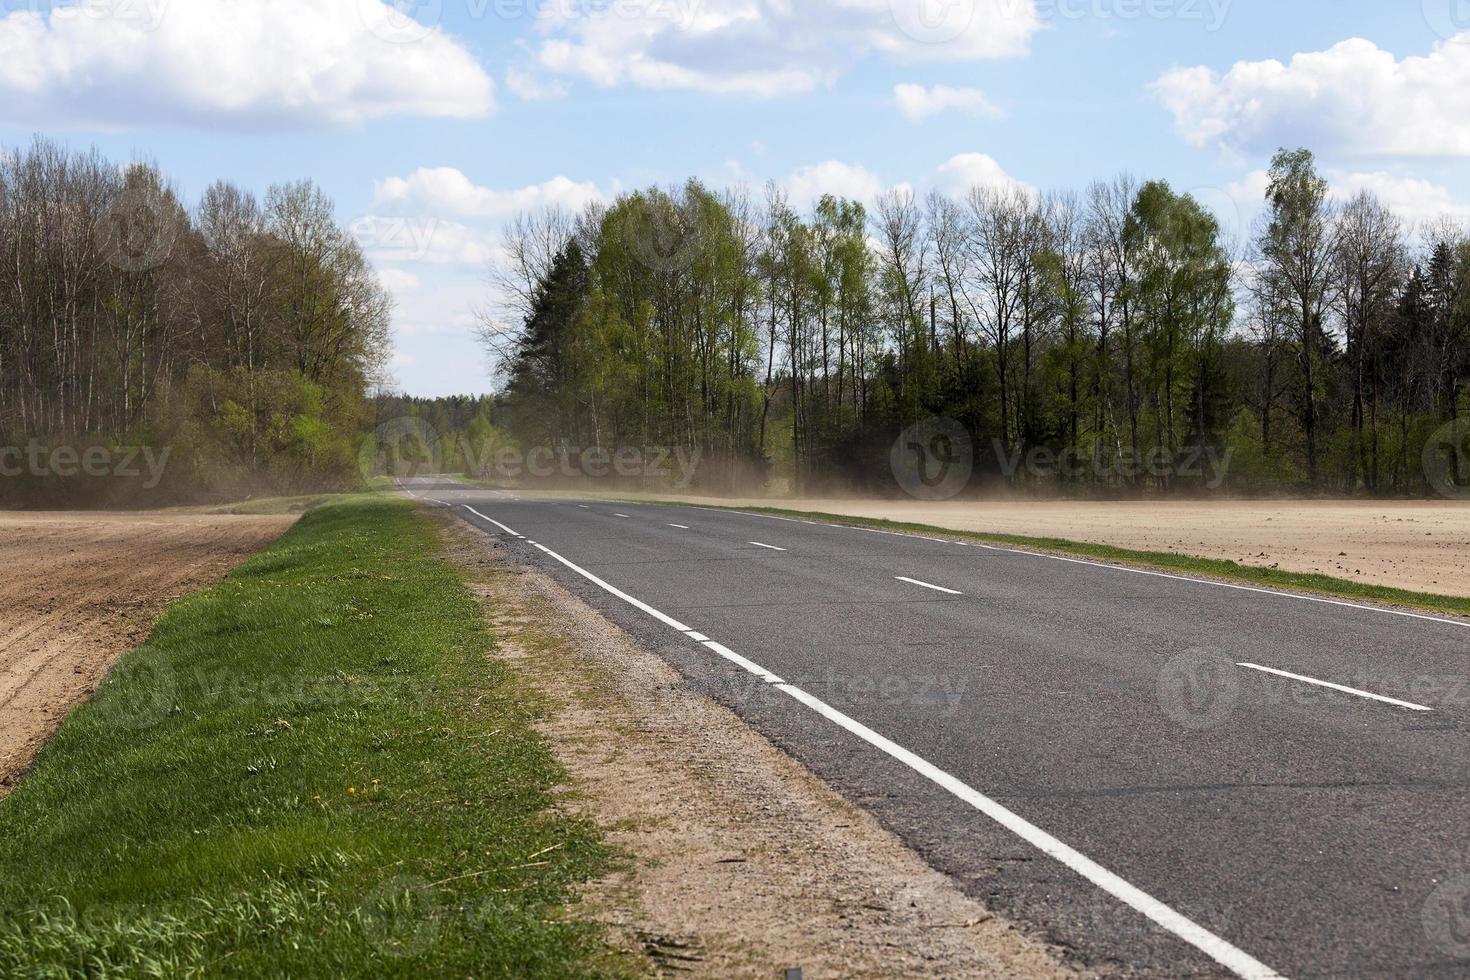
{"x": 1423, "y": 546}
{"x": 742, "y": 862}
{"x": 79, "y": 590}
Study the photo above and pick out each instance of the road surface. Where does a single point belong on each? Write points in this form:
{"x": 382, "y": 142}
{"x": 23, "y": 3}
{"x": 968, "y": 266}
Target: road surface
{"x": 1166, "y": 776}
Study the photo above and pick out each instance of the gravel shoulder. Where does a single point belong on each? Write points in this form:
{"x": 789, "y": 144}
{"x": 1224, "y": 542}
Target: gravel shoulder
{"x": 79, "y": 590}
{"x": 739, "y": 861}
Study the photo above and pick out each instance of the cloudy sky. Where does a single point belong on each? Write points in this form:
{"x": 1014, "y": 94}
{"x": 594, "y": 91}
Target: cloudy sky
{"x": 431, "y": 122}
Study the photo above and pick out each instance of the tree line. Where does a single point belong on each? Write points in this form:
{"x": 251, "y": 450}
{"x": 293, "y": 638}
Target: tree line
{"x": 1093, "y": 341}
{"x": 242, "y": 333}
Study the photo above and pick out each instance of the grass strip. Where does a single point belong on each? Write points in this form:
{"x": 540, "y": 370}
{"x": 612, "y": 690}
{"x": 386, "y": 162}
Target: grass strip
{"x": 311, "y": 769}
{"x": 1168, "y": 561}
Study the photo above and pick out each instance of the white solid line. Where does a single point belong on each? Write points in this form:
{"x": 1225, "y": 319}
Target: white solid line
{"x": 1196, "y": 935}
{"x": 768, "y": 547}
{"x": 1337, "y": 687}
{"x": 635, "y": 603}
{"x": 682, "y": 527}
{"x": 1241, "y": 588}
{"x": 492, "y": 520}
{"x": 1464, "y": 624}
{"x": 936, "y": 588}
{"x": 747, "y": 665}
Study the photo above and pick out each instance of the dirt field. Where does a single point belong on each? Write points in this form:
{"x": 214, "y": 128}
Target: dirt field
{"x": 1424, "y": 546}
{"x": 79, "y": 590}
{"x": 727, "y": 834}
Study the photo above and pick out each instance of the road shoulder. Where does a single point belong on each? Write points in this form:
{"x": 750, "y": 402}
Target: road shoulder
{"x": 740, "y": 861}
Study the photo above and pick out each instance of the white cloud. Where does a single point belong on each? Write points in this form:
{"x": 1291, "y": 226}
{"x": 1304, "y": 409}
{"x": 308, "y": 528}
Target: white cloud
{"x": 446, "y": 190}
{"x": 1411, "y": 198}
{"x": 1250, "y": 189}
{"x": 807, "y": 185}
{"x": 770, "y": 47}
{"x": 918, "y": 103}
{"x": 955, "y": 177}
{"x": 1354, "y": 97}
{"x": 397, "y": 281}
{"x": 1415, "y": 200}
{"x": 396, "y": 241}
{"x": 535, "y": 88}
{"x": 231, "y": 63}
{"x": 436, "y": 216}
{"x": 960, "y": 173}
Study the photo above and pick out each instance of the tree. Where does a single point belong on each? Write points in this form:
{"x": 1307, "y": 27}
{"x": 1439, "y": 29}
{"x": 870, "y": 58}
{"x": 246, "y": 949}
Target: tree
{"x": 1370, "y": 265}
{"x": 904, "y": 275}
{"x": 1002, "y": 249}
{"x": 801, "y": 344}
{"x": 1297, "y": 248}
{"x": 541, "y": 373}
{"x": 1108, "y": 209}
{"x": 122, "y": 315}
{"x": 1182, "y": 291}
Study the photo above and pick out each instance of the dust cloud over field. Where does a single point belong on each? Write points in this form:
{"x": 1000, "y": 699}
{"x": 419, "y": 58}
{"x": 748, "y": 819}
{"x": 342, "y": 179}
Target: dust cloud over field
{"x": 79, "y": 590}
{"x": 1419, "y": 545}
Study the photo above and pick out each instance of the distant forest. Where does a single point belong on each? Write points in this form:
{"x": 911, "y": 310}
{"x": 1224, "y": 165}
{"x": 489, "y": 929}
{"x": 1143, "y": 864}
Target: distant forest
{"x": 1115, "y": 329}
{"x": 1107, "y": 342}
{"x": 240, "y": 335}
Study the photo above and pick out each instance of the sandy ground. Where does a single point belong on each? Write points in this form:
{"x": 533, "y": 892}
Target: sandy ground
{"x": 79, "y": 590}
{"x": 1423, "y": 546}
{"x": 727, "y": 834}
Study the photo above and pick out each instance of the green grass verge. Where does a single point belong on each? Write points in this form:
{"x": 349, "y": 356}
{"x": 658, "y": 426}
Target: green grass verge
{"x": 309, "y": 770}
{"x": 1162, "y": 560}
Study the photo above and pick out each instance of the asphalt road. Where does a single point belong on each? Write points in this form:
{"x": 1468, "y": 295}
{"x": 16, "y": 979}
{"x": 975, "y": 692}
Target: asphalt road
{"x": 1077, "y": 744}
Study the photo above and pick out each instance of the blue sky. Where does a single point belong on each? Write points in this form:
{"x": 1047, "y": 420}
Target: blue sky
{"x": 430, "y": 133}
